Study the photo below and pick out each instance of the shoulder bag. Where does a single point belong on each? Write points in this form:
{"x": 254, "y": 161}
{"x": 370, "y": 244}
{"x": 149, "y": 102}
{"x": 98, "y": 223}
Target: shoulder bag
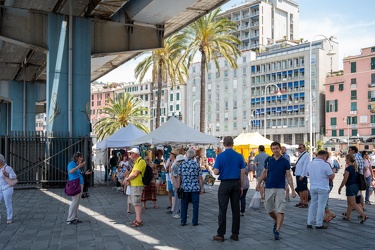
{"x": 73, "y": 187}
{"x": 362, "y": 184}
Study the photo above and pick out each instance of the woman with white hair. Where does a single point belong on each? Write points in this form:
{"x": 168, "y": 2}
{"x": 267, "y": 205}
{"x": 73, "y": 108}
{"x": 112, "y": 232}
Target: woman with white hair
{"x": 6, "y": 190}
{"x": 190, "y": 178}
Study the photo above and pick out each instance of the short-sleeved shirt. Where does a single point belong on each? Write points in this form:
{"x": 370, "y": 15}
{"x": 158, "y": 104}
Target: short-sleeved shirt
{"x": 245, "y": 182}
{"x": 229, "y": 163}
{"x": 286, "y": 156}
{"x": 260, "y": 158}
{"x": 174, "y": 168}
{"x": 139, "y": 165}
{"x": 276, "y": 170}
{"x": 361, "y": 163}
{"x": 76, "y": 174}
{"x": 301, "y": 165}
{"x": 190, "y": 172}
{"x": 319, "y": 170}
{"x": 352, "y": 179}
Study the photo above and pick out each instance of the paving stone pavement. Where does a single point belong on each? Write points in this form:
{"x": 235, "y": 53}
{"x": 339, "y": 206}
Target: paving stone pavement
{"x": 40, "y": 215}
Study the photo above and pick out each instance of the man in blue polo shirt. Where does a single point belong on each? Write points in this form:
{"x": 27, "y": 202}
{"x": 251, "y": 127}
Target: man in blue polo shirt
{"x": 230, "y": 166}
{"x": 275, "y": 170}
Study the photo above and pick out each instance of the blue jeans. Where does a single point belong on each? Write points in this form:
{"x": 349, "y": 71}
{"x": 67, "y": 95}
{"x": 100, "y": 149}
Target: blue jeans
{"x": 368, "y": 180}
{"x": 194, "y": 197}
{"x": 318, "y": 202}
{"x": 243, "y": 200}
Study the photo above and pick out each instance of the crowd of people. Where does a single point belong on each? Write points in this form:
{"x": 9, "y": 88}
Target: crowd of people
{"x": 274, "y": 179}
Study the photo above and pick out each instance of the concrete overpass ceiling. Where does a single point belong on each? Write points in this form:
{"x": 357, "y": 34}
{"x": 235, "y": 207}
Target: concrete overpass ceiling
{"x": 24, "y": 23}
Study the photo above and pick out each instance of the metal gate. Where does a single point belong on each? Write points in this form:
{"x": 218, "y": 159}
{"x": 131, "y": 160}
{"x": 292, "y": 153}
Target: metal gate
{"x": 41, "y": 158}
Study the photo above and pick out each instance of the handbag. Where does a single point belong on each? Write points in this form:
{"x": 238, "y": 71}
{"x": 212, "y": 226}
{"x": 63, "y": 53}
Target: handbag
{"x": 11, "y": 182}
{"x": 180, "y": 193}
{"x": 362, "y": 184}
{"x": 73, "y": 187}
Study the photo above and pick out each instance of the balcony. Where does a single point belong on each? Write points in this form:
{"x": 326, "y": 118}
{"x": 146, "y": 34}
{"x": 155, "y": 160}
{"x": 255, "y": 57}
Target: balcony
{"x": 371, "y": 85}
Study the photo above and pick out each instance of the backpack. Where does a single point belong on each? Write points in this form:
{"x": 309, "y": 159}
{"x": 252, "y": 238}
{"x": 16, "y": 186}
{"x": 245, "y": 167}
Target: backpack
{"x": 147, "y": 177}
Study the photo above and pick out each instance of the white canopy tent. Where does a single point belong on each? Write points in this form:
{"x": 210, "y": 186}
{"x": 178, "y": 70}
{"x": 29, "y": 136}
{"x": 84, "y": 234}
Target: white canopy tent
{"x": 121, "y": 138}
{"x": 175, "y": 132}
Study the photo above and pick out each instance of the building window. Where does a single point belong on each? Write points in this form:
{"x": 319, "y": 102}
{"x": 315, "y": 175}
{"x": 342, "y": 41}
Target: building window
{"x": 193, "y": 69}
{"x": 334, "y": 132}
{"x": 217, "y": 75}
{"x": 244, "y": 59}
{"x": 372, "y": 118}
{"x": 341, "y": 132}
{"x": 353, "y": 83}
{"x": 235, "y": 73}
{"x": 353, "y": 67}
{"x": 354, "y": 132}
{"x": 353, "y": 106}
{"x": 333, "y": 121}
{"x": 353, "y": 95}
{"x": 177, "y": 96}
{"x": 244, "y": 71}
{"x": 331, "y": 106}
{"x": 372, "y": 62}
{"x": 171, "y": 97}
{"x": 226, "y": 73}
{"x": 341, "y": 86}
{"x": 331, "y": 88}
{"x": 177, "y": 107}
{"x": 170, "y": 107}
{"x": 373, "y": 49}
{"x": 354, "y": 120}
{"x": 225, "y": 63}
{"x": 209, "y": 76}
{"x": 371, "y": 96}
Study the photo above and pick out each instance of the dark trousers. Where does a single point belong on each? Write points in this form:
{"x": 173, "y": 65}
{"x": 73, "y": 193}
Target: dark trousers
{"x": 229, "y": 190}
{"x": 243, "y": 200}
{"x": 194, "y": 197}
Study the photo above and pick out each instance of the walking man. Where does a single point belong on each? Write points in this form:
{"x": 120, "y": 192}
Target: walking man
{"x": 259, "y": 163}
{"x": 320, "y": 172}
{"x": 275, "y": 170}
{"x": 230, "y": 166}
{"x": 301, "y": 176}
{"x": 136, "y": 185}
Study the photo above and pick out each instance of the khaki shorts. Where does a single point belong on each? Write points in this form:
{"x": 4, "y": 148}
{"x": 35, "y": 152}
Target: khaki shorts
{"x": 275, "y": 200}
{"x": 135, "y": 195}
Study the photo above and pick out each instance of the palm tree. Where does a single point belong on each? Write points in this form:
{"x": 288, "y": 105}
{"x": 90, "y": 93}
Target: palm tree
{"x": 122, "y": 111}
{"x": 212, "y": 37}
{"x": 167, "y": 64}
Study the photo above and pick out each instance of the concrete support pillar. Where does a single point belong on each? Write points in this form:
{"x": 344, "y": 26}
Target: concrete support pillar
{"x": 60, "y": 90}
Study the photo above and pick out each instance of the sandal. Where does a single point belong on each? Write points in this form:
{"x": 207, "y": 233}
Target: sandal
{"x": 156, "y": 207}
{"x": 363, "y": 220}
{"x": 346, "y": 218}
{"x": 137, "y": 223}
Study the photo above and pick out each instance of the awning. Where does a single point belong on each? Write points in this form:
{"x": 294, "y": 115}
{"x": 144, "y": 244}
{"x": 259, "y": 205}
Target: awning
{"x": 290, "y": 85}
{"x": 290, "y": 72}
{"x": 302, "y": 94}
{"x": 301, "y": 70}
{"x": 290, "y": 108}
{"x": 283, "y": 97}
{"x": 296, "y": 84}
{"x": 284, "y": 73}
{"x": 295, "y": 108}
{"x": 283, "y": 108}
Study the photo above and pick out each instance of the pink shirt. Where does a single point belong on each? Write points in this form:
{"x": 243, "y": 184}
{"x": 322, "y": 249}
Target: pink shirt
{"x": 367, "y": 169}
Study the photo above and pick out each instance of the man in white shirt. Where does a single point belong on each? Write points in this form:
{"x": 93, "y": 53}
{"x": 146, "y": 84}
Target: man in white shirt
{"x": 320, "y": 172}
{"x": 372, "y": 159}
{"x": 301, "y": 176}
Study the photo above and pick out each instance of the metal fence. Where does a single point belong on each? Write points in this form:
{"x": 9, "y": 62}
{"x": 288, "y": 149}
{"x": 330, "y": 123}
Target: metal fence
{"x": 41, "y": 158}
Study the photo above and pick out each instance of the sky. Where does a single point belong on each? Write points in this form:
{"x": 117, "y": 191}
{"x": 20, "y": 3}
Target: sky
{"x": 351, "y": 22}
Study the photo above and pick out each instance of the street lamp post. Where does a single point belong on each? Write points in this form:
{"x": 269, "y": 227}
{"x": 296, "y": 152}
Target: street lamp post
{"x": 265, "y": 112}
{"x": 330, "y": 53}
{"x": 347, "y": 123}
{"x": 194, "y": 112}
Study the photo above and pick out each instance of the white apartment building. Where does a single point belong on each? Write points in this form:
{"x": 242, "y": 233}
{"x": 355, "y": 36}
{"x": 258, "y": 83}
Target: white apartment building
{"x": 263, "y": 22}
{"x": 241, "y": 99}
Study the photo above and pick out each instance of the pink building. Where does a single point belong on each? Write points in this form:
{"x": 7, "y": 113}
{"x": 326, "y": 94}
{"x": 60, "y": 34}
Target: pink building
{"x": 350, "y": 102}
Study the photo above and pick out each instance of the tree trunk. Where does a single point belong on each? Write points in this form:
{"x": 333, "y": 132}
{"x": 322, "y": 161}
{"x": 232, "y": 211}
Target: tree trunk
{"x": 160, "y": 86}
{"x": 202, "y": 117}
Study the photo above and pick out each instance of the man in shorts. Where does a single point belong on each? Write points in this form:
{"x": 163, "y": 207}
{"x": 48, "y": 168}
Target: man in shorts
{"x": 136, "y": 185}
{"x": 275, "y": 170}
{"x": 301, "y": 176}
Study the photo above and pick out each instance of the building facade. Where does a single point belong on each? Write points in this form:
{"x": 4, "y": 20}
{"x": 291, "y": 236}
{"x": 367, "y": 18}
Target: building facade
{"x": 350, "y": 101}
{"x": 261, "y": 23}
{"x": 268, "y": 92}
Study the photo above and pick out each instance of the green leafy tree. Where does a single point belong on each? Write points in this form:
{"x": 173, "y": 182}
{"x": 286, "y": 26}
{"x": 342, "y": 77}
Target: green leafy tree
{"x": 122, "y": 111}
{"x": 212, "y": 37}
{"x": 167, "y": 64}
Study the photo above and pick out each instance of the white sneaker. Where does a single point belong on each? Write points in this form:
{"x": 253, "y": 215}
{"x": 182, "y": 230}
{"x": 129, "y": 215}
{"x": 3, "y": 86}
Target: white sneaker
{"x": 176, "y": 216}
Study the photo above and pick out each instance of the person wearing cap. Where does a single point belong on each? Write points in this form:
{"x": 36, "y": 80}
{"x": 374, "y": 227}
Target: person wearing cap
{"x": 6, "y": 191}
{"x": 136, "y": 185}
{"x": 74, "y": 172}
{"x": 174, "y": 174}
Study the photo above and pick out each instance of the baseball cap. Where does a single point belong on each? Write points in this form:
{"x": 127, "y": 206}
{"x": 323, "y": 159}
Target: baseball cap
{"x": 134, "y": 150}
